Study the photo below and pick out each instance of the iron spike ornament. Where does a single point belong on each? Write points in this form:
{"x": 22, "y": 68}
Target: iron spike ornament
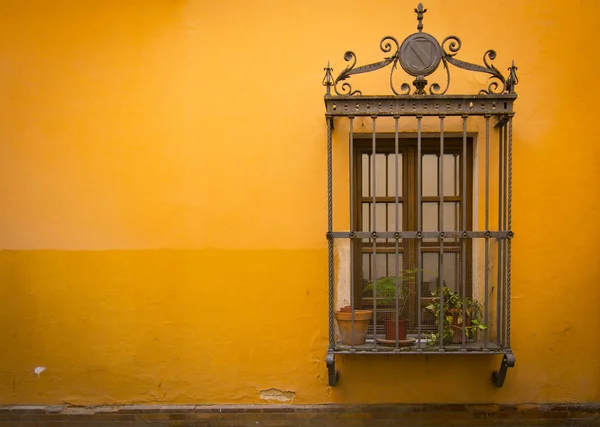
{"x": 420, "y": 11}
{"x": 420, "y": 55}
{"x": 328, "y": 79}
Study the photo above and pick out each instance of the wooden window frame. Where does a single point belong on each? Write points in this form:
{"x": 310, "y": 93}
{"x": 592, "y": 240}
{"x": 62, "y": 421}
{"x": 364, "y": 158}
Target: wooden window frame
{"x": 407, "y": 146}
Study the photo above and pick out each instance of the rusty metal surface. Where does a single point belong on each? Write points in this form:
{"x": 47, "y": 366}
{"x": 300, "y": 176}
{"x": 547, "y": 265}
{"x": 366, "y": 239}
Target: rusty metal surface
{"x": 457, "y": 105}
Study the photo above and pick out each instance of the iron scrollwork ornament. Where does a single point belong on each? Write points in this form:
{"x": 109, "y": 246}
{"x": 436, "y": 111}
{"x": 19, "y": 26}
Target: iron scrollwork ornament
{"x": 420, "y": 55}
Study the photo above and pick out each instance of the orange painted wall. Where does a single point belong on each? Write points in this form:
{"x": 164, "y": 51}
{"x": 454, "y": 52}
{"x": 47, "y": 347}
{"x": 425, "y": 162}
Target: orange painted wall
{"x": 162, "y": 177}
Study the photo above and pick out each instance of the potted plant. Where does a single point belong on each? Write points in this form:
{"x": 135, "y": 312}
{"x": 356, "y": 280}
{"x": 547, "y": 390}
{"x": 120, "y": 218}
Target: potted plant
{"x": 458, "y": 312}
{"x": 385, "y": 292}
{"x": 345, "y": 317}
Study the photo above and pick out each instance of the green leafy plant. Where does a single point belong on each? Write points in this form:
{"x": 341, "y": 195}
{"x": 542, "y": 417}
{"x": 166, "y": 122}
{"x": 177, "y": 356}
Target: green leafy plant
{"x": 385, "y": 288}
{"x": 457, "y": 311}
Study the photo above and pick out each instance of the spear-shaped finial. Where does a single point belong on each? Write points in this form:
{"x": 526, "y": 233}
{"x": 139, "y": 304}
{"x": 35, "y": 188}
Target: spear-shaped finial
{"x": 512, "y": 78}
{"x": 420, "y": 11}
{"x": 328, "y": 79}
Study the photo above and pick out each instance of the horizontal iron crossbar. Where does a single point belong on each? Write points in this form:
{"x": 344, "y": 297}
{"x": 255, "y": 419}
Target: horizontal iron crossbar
{"x": 458, "y": 105}
{"x": 406, "y": 351}
{"x": 422, "y": 234}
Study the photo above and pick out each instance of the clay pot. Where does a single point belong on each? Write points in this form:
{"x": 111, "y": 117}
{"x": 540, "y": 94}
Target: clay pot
{"x": 362, "y": 319}
{"x": 456, "y": 328}
{"x": 392, "y": 329}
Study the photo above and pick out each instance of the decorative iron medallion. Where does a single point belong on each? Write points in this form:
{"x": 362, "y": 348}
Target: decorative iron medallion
{"x": 420, "y": 54}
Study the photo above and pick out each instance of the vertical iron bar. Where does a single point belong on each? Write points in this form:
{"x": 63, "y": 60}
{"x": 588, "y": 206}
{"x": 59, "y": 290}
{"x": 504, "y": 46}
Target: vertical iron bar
{"x": 396, "y": 230}
{"x": 487, "y": 227}
{"x": 441, "y": 229}
{"x": 508, "y": 249}
{"x": 330, "y": 229}
{"x": 419, "y": 260}
{"x": 464, "y": 228}
{"x": 370, "y": 188}
{"x": 499, "y": 243}
{"x": 374, "y": 231}
{"x": 351, "y": 173}
{"x": 386, "y": 192}
{"x": 505, "y": 227}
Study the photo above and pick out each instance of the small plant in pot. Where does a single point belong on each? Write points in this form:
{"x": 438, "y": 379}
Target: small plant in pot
{"x": 458, "y": 312}
{"x": 353, "y": 325}
{"x": 389, "y": 291}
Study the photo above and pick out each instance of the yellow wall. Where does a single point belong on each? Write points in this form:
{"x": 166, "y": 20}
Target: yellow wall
{"x": 162, "y": 176}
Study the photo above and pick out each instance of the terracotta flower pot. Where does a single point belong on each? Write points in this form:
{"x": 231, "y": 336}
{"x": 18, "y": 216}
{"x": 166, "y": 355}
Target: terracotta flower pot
{"x": 392, "y": 329}
{"x": 457, "y": 328}
{"x": 362, "y": 319}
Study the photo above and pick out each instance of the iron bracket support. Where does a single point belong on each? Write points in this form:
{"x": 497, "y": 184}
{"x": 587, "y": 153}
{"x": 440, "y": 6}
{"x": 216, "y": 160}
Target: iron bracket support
{"x": 332, "y": 373}
{"x": 498, "y": 377}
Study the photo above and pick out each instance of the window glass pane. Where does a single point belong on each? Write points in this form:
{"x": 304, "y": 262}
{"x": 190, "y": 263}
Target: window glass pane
{"x": 366, "y": 175}
{"x": 366, "y": 268}
{"x": 392, "y": 263}
{"x": 451, "y": 270}
{"x": 366, "y": 217}
{"x": 429, "y": 175}
{"x": 451, "y": 218}
{"x": 430, "y": 273}
{"x": 451, "y": 185}
{"x": 381, "y": 265}
{"x": 391, "y": 162}
{"x": 380, "y": 216}
{"x": 380, "y": 175}
{"x": 430, "y": 219}
{"x": 392, "y": 216}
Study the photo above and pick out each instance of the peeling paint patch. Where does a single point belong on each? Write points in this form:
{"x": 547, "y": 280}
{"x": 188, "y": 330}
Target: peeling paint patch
{"x": 278, "y": 395}
{"x": 38, "y": 370}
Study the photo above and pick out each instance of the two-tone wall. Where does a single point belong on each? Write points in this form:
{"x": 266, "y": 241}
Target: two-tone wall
{"x": 163, "y": 201}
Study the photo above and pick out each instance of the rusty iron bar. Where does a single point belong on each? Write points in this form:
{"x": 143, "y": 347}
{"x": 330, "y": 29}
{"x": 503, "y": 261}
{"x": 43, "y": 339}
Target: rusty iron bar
{"x": 419, "y": 231}
{"x": 441, "y": 235}
{"x": 464, "y": 229}
{"x": 396, "y": 229}
{"x": 499, "y": 287}
{"x": 487, "y": 227}
{"x": 374, "y": 231}
{"x": 330, "y": 230}
{"x": 351, "y": 172}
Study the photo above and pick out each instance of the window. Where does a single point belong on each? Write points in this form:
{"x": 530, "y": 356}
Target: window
{"x": 401, "y": 215}
{"x": 450, "y": 209}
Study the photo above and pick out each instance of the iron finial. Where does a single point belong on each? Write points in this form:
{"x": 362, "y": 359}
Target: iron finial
{"x": 328, "y": 79}
{"x": 512, "y": 79}
{"x": 420, "y": 11}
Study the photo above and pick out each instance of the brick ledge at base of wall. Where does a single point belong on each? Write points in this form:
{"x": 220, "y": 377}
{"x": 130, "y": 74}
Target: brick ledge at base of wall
{"x": 330, "y": 415}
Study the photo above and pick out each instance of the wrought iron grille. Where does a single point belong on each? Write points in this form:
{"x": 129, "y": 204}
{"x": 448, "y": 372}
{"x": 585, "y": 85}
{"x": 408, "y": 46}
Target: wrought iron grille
{"x": 424, "y": 264}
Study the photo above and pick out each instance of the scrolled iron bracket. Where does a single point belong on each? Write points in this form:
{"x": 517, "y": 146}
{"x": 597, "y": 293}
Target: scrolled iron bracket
{"x": 419, "y": 55}
{"x": 331, "y": 372}
{"x": 498, "y": 377}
